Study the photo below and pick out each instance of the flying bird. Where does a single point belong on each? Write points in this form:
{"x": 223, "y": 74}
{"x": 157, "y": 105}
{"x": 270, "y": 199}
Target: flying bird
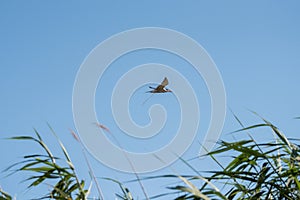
{"x": 160, "y": 88}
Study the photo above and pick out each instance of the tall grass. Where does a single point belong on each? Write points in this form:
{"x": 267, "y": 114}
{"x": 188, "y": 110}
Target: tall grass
{"x": 254, "y": 170}
{"x": 45, "y": 168}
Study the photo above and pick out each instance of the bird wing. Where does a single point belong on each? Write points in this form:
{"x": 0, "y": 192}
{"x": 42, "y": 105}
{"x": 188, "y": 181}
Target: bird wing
{"x": 164, "y": 82}
{"x": 159, "y": 88}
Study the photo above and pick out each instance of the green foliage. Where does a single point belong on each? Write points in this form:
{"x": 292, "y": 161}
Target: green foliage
{"x": 45, "y": 168}
{"x": 4, "y": 195}
{"x": 126, "y": 194}
{"x": 255, "y": 170}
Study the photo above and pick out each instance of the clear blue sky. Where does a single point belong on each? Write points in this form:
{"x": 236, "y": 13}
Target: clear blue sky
{"x": 255, "y": 45}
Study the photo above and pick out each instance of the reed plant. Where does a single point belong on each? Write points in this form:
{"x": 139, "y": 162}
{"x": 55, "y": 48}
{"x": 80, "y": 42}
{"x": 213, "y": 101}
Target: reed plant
{"x": 254, "y": 170}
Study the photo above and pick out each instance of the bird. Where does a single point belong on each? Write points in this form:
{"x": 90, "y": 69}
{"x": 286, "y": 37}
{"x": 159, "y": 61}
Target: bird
{"x": 160, "y": 88}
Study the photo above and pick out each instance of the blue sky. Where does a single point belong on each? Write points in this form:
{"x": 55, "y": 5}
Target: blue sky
{"x": 255, "y": 45}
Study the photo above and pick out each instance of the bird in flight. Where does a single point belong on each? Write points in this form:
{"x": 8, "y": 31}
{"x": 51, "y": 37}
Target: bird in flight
{"x": 160, "y": 88}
